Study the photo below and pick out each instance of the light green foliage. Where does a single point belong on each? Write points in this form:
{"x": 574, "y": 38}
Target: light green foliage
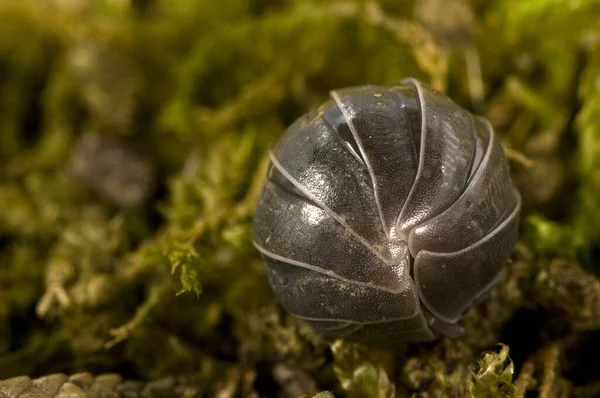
{"x": 359, "y": 376}
{"x": 202, "y": 89}
{"x": 549, "y": 236}
{"x": 494, "y": 376}
{"x": 186, "y": 258}
{"x": 441, "y": 371}
{"x": 324, "y": 394}
{"x": 551, "y": 116}
{"x": 587, "y": 221}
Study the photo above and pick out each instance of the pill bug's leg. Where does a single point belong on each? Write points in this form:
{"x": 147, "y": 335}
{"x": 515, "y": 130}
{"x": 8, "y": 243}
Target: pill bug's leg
{"x": 447, "y": 329}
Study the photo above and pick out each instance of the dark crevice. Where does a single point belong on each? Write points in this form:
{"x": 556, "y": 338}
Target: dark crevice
{"x": 479, "y": 151}
{"x": 334, "y": 117}
{"x": 264, "y": 384}
{"x": 582, "y": 366}
{"x": 277, "y": 178}
{"x": 412, "y": 106}
{"x": 524, "y": 334}
{"x": 478, "y": 157}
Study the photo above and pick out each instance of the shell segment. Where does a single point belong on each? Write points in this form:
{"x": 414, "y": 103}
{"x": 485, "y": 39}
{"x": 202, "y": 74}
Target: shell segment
{"x": 318, "y": 162}
{"x": 448, "y": 146}
{"x": 486, "y": 202}
{"x": 304, "y": 235}
{"x": 379, "y": 120}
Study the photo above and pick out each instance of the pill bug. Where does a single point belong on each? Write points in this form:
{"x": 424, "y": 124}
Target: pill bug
{"x": 387, "y": 213}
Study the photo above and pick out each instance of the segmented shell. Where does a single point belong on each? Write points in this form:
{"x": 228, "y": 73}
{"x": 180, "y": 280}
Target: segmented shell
{"x": 387, "y": 212}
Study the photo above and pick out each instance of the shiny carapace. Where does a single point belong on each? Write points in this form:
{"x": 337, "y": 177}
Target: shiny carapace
{"x": 387, "y": 213}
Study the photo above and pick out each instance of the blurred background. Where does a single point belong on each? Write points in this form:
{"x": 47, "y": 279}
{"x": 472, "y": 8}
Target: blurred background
{"x": 133, "y": 140}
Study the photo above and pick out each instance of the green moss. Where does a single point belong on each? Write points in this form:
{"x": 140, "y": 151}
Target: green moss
{"x": 170, "y": 284}
{"x": 358, "y": 374}
{"x": 494, "y": 376}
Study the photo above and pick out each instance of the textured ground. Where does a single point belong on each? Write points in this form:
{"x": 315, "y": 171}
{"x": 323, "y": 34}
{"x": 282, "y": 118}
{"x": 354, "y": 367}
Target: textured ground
{"x": 138, "y": 265}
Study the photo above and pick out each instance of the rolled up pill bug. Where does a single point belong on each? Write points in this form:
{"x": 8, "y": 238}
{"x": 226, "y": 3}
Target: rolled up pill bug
{"x": 387, "y": 214}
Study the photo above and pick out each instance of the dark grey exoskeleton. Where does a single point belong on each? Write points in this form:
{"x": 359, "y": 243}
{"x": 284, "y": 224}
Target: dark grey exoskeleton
{"x": 387, "y": 213}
